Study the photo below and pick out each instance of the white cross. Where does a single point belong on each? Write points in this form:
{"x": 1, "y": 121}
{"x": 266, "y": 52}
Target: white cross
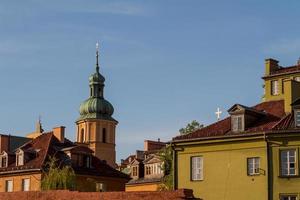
{"x": 218, "y": 113}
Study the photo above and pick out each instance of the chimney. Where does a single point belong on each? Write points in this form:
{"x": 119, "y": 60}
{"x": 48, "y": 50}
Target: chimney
{"x": 4, "y": 143}
{"x": 146, "y": 145}
{"x": 271, "y": 66}
{"x": 59, "y": 133}
{"x": 298, "y": 62}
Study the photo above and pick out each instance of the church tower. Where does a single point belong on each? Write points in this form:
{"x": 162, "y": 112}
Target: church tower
{"x": 95, "y": 126}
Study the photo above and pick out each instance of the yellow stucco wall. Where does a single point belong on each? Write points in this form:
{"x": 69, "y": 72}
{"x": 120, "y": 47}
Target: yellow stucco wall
{"x": 225, "y": 171}
{"x": 142, "y": 187}
{"x": 35, "y": 182}
{"x": 93, "y": 136}
{"x": 288, "y": 89}
{"x": 284, "y": 185}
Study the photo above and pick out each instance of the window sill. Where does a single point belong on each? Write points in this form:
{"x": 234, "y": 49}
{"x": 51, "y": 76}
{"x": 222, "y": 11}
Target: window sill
{"x": 253, "y": 175}
{"x": 289, "y": 176}
{"x": 197, "y": 180}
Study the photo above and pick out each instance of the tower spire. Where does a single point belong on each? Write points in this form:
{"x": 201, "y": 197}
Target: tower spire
{"x": 97, "y": 57}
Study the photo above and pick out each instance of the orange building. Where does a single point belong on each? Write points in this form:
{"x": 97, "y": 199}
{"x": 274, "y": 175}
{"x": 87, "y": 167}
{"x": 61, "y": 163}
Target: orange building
{"x": 92, "y": 157}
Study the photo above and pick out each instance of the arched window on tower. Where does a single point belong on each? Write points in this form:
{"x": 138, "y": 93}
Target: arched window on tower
{"x": 81, "y": 135}
{"x": 104, "y": 135}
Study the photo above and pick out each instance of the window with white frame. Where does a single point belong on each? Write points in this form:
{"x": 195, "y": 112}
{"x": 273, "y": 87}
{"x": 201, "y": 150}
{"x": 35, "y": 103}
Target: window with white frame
{"x": 297, "y": 118}
{"x": 8, "y": 186}
{"x": 274, "y": 87}
{"x": 237, "y": 123}
{"x": 19, "y": 158}
{"x": 253, "y": 166}
{"x": 197, "y": 168}
{"x": 3, "y": 160}
{"x": 288, "y": 162}
{"x": 100, "y": 187}
{"x": 288, "y": 197}
{"x": 25, "y": 184}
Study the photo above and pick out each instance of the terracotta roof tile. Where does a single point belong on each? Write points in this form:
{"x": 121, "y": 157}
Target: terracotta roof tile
{"x": 47, "y": 145}
{"x": 284, "y": 70}
{"x": 274, "y": 112}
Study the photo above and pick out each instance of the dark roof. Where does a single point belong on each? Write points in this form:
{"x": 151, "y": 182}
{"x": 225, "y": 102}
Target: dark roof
{"x": 274, "y": 118}
{"x": 38, "y": 150}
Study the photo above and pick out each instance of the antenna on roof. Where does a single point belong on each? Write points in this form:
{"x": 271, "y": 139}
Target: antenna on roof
{"x": 298, "y": 61}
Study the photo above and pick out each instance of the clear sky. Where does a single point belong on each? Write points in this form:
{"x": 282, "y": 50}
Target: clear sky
{"x": 165, "y": 62}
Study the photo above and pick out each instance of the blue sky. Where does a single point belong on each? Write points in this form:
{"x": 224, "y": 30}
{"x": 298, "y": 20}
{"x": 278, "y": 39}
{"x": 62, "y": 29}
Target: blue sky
{"x": 165, "y": 62}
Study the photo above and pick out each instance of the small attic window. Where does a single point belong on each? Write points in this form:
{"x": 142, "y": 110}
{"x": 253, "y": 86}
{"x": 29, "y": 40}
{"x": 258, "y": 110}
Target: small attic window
{"x": 297, "y": 118}
{"x": 19, "y": 158}
{"x": 237, "y": 123}
{"x": 3, "y": 160}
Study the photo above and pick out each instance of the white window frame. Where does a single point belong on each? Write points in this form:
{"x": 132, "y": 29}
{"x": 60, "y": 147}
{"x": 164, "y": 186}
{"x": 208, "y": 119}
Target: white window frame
{"x": 100, "y": 187}
{"x": 25, "y": 184}
{"x": 19, "y": 159}
{"x": 297, "y": 78}
{"x": 297, "y": 120}
{"x": 253, "y": 166}
{"x": 275, "y": 87}
{"x": 9, "y": 186}
{"x": 196, "y": 168}
{"x": 286, "y": 165}
{"x": 237, "y": 123}
{"x": 288, "y": 197}
{"x": 2, "y": 165}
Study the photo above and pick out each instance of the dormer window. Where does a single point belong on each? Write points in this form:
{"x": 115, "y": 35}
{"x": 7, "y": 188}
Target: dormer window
{"x": 237, "y": 123}
{"x": 20, "y": 158}
{"x": 3, "y": 160}
{"x": 297, "y": 118}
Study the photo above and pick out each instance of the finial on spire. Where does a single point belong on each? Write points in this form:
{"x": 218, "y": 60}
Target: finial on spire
{"x": 39, "y": 128}
{"x": 97, "y": 56}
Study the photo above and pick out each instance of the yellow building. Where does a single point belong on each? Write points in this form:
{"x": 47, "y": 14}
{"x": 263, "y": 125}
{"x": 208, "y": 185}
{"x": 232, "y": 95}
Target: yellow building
{"x": 253, "y": 153}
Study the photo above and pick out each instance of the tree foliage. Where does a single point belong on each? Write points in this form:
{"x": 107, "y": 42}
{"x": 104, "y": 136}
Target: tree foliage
{"x": 56, "y": 177}
{"x": 166, "y": 155}
{"x": 190, "y": 127}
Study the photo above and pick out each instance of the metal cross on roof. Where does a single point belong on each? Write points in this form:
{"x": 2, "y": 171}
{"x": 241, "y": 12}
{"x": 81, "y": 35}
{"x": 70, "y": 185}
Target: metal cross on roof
{"x": 218, "y": 113}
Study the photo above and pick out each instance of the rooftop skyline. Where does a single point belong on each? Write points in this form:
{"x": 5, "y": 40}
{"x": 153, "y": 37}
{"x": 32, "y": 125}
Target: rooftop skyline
{"x": 165, "y": 63}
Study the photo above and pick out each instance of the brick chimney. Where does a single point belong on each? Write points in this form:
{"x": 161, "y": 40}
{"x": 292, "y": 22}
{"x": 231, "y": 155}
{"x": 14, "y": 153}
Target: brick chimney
{"x": 59, "y": 133}
{"x": 4, "y": 143}
{"x": 150, "y": 145}
{"x": 271, "y": 66}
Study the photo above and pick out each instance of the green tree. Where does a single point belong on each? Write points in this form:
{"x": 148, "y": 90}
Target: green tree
{"x": 56, "y": 177}
{"x": 166, "y": 155}
{"x": 190, "y": 127}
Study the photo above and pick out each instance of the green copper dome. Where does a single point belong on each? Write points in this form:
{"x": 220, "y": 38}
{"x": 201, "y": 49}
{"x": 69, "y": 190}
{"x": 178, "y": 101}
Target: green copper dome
{"x": 96, "y": 106}
{"x": 96, "y": 78}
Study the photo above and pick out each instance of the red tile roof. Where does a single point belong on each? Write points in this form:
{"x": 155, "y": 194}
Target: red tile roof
{"x": 286, "y": 70}
{"x": 274, "y": 113}
{"x": 38, "y": 150}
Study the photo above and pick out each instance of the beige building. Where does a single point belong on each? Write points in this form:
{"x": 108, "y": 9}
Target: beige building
{"x": 145, "y": 167}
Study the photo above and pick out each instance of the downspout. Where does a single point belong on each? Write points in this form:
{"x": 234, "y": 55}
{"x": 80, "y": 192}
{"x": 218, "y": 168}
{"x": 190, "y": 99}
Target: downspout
{"x": 174, "y": 166}
{"x": 269, "y": 169}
